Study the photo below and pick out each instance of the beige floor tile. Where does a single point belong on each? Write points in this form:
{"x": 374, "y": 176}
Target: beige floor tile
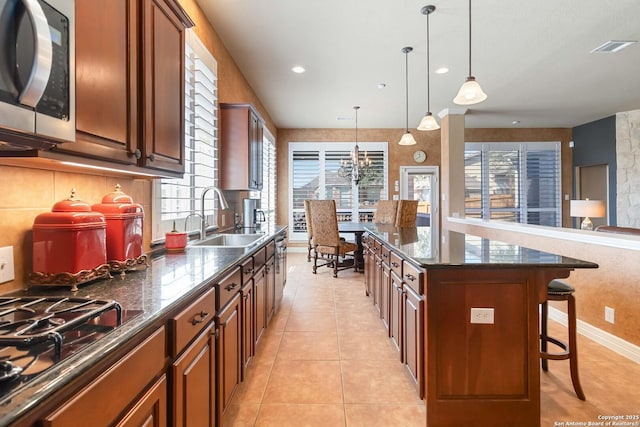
{"x": 376, "y": 381}
{"x": 304, "y": 382}
{"x": 362, "y": 320}
{"x": 315, "y": 321}
{"x": 386, "y": 415}
{"x": 309, "y": 346}
{"x": 358, "y": 345}
{"x": 241, "y": 414}
{"x": 312, "y": 304}
{"x": 252, "y": 389}
{"x": 288, "y": 415}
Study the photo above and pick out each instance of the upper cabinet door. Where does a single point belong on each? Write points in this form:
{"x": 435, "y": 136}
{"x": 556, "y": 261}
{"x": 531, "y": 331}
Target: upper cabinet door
{"x": 241, "y": 131}
{"x": 106, "y": 80}
{"x": 163, "y": 86}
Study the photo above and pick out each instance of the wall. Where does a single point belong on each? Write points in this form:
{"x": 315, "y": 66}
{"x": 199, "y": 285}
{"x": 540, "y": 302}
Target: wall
{"x": 595, "y": 144}
{"x": 403, "y": 155}
{"x": 628, "y": 170}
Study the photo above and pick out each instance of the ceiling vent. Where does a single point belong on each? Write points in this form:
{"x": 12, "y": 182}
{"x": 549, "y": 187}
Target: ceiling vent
{"x": 613, "y": 46}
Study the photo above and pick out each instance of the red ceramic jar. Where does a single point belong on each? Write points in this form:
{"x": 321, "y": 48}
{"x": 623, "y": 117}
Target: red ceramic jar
{"x": 124, "y": 225}
{"x": 69, "y": 239}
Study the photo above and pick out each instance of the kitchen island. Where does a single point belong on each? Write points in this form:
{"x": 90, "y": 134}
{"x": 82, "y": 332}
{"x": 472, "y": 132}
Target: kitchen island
{"x": 469, "y": 320}
{"x": 171, "y": 306}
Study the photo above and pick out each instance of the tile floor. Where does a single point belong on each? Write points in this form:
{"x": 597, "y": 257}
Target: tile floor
{"x": 326, "y": 361}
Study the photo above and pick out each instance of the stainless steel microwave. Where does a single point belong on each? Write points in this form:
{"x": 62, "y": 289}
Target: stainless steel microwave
{"x": 37, "y": 68}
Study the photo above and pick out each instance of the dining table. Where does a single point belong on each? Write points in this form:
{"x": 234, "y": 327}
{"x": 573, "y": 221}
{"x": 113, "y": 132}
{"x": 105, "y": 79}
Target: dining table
{"x": 357, "y": 229}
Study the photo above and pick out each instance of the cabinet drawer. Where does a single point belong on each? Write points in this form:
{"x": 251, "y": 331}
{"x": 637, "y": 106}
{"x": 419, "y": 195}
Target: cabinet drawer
{"x": 395, "y": 261}
{"x": 385, "y": 254}
{"x": 113, "y": 391}
{"x": 190, "y": 321}
{"x": 259, "y": 258}
{"x": 414, "y": 277}
{"x": 271, "y": 248}
{"x": 227, "y": 288}
{"x": 247, "y": 269}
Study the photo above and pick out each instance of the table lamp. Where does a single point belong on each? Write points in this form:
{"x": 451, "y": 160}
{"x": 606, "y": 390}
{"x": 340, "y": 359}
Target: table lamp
{"x": 586, "y": 209}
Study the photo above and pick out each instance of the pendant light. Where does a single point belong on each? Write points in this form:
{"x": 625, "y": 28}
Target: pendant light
{"x": 407, "y": 138}
{"x": 428, "y": 122}
{"x": 470, "y": 92}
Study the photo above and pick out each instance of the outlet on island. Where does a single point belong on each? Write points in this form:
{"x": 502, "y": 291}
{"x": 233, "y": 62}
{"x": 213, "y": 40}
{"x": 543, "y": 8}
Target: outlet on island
{"x": 482, "y": 315}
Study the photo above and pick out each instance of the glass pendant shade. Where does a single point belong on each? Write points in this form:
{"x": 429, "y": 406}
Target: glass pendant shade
{"x": 407, "y": 139}
{"x": 470, "y": 93}
{"x": 428, "y": 122}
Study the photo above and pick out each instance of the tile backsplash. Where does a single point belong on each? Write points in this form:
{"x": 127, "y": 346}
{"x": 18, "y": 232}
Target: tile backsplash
{"x": 29, "y": 192}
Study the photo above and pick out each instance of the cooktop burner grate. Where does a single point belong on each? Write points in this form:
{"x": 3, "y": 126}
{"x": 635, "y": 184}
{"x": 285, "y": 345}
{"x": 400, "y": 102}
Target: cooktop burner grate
{"x": 28, "y": 321}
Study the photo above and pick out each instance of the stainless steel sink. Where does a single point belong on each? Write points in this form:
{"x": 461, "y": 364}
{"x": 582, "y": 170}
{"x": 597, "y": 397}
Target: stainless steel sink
{"x": 231, "y": 240}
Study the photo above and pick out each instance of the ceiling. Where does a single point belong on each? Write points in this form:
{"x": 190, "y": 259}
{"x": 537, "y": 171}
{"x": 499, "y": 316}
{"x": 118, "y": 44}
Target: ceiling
{"x": 532, "y": 58}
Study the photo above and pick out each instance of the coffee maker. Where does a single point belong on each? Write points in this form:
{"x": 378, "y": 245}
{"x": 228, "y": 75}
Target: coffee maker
{"x": 252, "y": 216}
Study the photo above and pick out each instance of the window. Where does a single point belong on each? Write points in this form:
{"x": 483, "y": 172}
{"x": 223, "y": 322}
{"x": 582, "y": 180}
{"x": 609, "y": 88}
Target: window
{"x": 313, "y": 172}
{"x": 516, "y": 182}
{"x": 268, "y": 193}
{"x": 175, "y": 199}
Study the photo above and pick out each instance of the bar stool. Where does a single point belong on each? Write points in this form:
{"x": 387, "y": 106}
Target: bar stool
{"x": 559, "y": 290}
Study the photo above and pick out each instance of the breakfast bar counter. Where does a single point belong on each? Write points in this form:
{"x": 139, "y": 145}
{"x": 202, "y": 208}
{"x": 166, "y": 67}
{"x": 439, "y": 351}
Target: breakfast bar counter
{"x": 479, "y": 367}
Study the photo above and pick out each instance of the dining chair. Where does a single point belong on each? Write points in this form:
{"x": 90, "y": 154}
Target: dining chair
{"x": 386, "y": 211}
{"x": 326, "y": 239}
{"x": 407, "y": 213}
{"x": 307, "y": 217}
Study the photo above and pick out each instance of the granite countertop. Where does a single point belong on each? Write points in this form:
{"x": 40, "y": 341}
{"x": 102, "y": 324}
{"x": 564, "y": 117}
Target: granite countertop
{"x": 170, "y": 279}
{"x": 452, "y": 249}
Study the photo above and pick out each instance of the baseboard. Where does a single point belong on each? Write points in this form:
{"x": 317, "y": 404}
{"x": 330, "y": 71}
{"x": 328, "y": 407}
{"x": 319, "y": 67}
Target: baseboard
{"x": 612, "y": 342}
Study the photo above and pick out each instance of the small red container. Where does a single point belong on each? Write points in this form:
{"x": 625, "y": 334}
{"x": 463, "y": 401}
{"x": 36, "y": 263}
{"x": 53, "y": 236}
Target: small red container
{"x": 124, "y": 225}
{"x": 69, "y": 239}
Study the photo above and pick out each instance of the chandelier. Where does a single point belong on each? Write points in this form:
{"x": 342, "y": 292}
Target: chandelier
{"x": 357, "y": 167}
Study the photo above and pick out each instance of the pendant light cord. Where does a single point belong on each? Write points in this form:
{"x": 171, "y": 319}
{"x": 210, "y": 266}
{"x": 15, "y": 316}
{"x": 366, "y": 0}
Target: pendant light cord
{"x": 406, "y": 80}
{"x": 428, "y": 85}
{"x": 470, "y": 38}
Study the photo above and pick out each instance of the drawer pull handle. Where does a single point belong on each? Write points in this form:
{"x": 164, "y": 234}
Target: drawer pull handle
{"x": 410, "y": 277}
{"x": 395, "y": 264}
{"x": 249, "y": 271}
{"x": 385, "y": 255}
{"x": 203, "y": 315}
{"x": 231, "y": 286}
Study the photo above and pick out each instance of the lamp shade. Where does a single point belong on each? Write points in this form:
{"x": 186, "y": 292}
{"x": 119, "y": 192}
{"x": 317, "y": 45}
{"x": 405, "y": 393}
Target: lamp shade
{"x": 470, "y": 93}
{"x": 428, "y": 122}
{"x": 407, "y": 139}
{"x": 587, "y": 208}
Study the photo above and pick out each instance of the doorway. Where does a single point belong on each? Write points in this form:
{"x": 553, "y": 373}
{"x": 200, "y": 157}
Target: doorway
{"x": 421, "y": 183}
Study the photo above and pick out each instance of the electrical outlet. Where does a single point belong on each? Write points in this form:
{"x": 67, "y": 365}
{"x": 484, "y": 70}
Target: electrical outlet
{"x": 6, "y": 264}
{"x": 482, "y": 315}
{"x": 609, "y": 314}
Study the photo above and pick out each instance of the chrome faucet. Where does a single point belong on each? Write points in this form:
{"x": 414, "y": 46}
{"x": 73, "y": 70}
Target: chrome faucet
{"x": 223, "y": 205}
{"x": 187, "y": 219}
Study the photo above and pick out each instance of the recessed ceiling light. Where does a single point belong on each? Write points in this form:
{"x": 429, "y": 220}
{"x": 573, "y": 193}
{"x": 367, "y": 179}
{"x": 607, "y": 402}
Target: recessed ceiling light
{"x": 382, "y": 85}
{"x": 298, "y": 69}
{"x": 344, "y": 118}
{"x": 442, "y": 70}
{"x": 515, "y": 122}
{"x": 613, "y": 46}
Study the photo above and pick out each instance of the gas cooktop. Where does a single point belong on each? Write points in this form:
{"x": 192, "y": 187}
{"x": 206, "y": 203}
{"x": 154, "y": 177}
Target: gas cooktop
{"x": 38, "y": 332}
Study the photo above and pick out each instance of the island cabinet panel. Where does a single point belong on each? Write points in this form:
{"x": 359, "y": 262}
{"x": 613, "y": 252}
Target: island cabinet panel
{"x": 115, "y": 394}
{"x": 396, "y": 312}
{"x": 484, "y": 374}
{"x": 188, "y": 323}
{"x": 413, "y": 331}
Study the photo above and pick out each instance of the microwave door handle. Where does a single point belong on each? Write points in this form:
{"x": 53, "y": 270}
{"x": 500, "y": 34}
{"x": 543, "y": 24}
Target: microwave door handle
{"x": 43, "y": 52}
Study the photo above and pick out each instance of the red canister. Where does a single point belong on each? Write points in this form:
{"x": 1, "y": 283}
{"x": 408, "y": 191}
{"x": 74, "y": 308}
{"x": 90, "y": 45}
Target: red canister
{"x": 66, "y": 241}
{"x": 124, "y": 226}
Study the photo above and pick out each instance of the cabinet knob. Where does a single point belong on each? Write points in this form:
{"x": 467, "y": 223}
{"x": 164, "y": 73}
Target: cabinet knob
{"x": 151, "y": 157}
{"x": 136, "y": 153}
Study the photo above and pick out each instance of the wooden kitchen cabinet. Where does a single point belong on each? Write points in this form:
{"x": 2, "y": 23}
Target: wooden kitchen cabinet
{"x": 229, "y": 348}
{"x": 193, "y": 370}
{"x": 151, "y": 409}
{"x": 241, "y": 132}
{"x": 123, "y": 392}
{"x": 260, "y": 302}
{"x": 270, "y": 284}
{"x": 248, "y": 316}
{"x": 130, "y": 85}
{"x": 413, "y": 337}
{"x": 396, "y": 312}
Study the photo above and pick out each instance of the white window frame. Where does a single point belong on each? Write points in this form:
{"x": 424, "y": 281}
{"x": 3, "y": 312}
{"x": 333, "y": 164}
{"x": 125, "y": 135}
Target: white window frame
{"x": 322, "y": 148}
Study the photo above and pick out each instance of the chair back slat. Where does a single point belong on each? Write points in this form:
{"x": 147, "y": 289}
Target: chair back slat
{"x": 386, "y": 211}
